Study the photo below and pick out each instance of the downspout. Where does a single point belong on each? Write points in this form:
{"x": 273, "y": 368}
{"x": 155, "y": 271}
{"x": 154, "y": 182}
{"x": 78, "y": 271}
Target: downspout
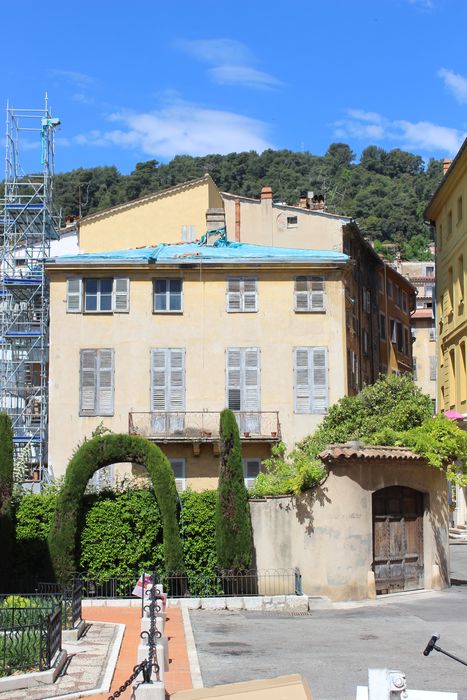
{"x": 237, "y": 220}
{"x": 388, "y": 339}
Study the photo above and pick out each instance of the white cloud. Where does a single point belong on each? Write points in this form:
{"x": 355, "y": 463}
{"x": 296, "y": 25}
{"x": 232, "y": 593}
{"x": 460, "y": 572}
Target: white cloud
{"x": 217, "y": 50}
{"x": 426, "y": 4}
{"x": 79, "y": 80}
{"x": 82, "y": 98}
{"x": 231, "y": 63}
{"x": 243, "y": 75}
{"x": 455, "y": 83}
{"x": 422, "y": 135}
{"x": 181, "y": 128}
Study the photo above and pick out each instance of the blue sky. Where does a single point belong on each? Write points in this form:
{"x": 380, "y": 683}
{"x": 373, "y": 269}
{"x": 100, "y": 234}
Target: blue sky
{"x": 147, "y": 79}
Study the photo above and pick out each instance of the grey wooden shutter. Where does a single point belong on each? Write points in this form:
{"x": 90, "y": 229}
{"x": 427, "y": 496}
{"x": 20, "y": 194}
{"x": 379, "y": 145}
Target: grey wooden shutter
{"x": 302, "y": 380}
{"x": 88, "y": 382}
{"x": 121, "y": 295}
{"x": 176, "y": 388}
{"x": 158, "y": 380}
{"x": 250, "y": 296}
{"x": 319, "y": 389}
{"x": 105, "y": 398}
{"x": 74, "y": 295}
{"x": 317, "y": 294}
{"x": 234, "y": 294}
{"x": 301, "y": 294}
{"x": 250, "y": 392}
{"x": 234, "y": 379}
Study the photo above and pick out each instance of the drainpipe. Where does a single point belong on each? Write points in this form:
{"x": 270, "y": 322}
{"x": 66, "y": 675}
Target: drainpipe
{"x": 237, "y": 220}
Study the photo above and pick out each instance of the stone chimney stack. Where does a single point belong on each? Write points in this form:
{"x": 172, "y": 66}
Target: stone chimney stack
{"x": 266, "y": 193}
{"x": 446, "y": 163}
{"x": 215, "y": 218}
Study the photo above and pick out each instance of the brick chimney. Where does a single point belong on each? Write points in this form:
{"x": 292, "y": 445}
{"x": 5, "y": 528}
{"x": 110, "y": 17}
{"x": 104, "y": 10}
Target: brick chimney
{"x": 446, "y": 163}
{"x": 215, "y": 218}
{"x": 266, "y": 193}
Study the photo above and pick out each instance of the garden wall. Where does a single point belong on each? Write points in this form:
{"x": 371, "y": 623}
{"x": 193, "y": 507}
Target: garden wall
{"x": 328, "y": 531}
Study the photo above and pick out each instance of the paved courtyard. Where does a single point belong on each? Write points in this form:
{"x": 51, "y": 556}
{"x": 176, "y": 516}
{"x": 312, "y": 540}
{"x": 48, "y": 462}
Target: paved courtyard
{"x": 334, "y": 648}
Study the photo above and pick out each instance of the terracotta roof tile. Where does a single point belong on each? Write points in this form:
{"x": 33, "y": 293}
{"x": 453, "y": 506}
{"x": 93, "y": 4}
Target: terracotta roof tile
{"x": 356, "y": 450}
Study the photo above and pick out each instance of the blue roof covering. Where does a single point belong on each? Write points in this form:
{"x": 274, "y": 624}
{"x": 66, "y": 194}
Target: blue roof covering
{"x": 221, "y": 251}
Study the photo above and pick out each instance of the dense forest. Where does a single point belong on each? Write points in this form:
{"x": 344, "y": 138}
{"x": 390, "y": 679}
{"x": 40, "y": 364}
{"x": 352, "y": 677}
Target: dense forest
{"x": 386, "y": 192}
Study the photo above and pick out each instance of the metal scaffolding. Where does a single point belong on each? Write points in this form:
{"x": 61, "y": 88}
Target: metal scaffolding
{"x": 27, "y": 226}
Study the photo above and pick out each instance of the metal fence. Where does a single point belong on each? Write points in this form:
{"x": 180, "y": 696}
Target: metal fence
{"x": 251, "y": 582}
{"x": 30, "y": 634}
{"x": 70, "y": 599}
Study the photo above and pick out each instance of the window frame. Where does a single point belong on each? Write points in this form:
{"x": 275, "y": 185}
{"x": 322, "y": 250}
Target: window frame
{"x": 97, "y": 409}
{"x": 247, "y": 478}
{"x": 313, "y": 398}
{"x": 292, "y": 222}
{"x": 243, "y": 294}
{"x": 167, "y": 295}
{"x": 180, "y": 481}
{"x": 76, "y": 295}
{"x": 310, "y": 293}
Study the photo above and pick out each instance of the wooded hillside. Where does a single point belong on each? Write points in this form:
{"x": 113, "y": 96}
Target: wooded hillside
{"x": 386, "y": 192}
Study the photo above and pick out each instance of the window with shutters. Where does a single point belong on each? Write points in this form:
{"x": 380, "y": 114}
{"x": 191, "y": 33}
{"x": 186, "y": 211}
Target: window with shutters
{"x": 311, "y": 380}
{"x": 168, "y": 390}
{"x": 242, "y": 295}
{"x": 251, "y": 469}
{"x": 168, "y": 296}
{"x": 243, "y": 387}
{"x": 106, "y": 295}
{"x": 309, "y": 294}
{"x": 366, "y": 301}
{"x": 433, "y": 368}
{"x": 179, "y": 470}
{"x": 382, "y": 326}
{"x": 97, "y": 382}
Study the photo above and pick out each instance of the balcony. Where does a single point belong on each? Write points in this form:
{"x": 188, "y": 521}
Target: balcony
{"x": 191, "y": 426}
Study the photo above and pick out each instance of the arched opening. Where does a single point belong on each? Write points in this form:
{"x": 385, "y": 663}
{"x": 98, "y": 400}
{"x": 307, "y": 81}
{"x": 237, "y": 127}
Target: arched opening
{"x": 398, "y": 539}
{"x": 94, "y": 454}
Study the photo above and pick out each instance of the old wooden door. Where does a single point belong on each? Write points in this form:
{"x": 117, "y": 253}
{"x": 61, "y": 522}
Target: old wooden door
{"x": 398, "y": 539}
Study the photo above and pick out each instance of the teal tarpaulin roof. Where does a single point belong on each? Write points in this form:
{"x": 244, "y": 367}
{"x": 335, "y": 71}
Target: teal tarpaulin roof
{"x": 220, "y": 251}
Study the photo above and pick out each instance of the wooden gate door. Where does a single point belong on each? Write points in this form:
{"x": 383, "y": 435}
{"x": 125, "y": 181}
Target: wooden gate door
{"x": 398, "y": 539}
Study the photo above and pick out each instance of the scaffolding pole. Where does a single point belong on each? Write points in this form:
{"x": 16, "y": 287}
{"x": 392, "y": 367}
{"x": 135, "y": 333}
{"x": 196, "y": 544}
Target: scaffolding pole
{"x": 27, "y": 227}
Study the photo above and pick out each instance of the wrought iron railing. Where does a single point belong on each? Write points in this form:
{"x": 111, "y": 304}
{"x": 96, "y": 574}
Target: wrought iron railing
{"x": 70, "y": 598}
{"x": 251, "y": 582}
{"x": 30, "y": 634}
{"x": 203, "y": 426}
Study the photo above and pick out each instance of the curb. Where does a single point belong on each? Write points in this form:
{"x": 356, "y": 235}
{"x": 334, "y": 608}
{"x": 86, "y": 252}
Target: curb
{"x": 193, "y": 660}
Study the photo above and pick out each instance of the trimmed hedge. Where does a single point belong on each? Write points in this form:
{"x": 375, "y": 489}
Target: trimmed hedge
{"x": 234, "y": 542}
{"x": 108, "y": 521}
{"x": 6, "y": 492}
{"x": 94, "y": 454}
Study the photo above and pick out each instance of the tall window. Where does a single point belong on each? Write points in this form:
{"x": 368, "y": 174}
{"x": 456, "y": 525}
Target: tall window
{"x": 309, "y": 294}
{"x": 460, "y": 278}
{"x": 243, "y": 385}
{"x": 167, "y": 296}
{"x": 101, "y": 295}
{"x": 242, "y": 295}
{"x": 311, "y": 380}
{"x": 449, "y": 223}
{"x": 459, "y": 209}
{"x": 179, "y": 470}
{"x": 168, "y": 389}
{"x": 97, "y": 382}
{"x": 433, "y": 368}
{"x": 251, "y": 469}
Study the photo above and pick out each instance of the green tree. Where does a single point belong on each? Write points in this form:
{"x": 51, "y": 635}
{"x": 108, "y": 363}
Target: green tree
{"x": 233, "y": 525}
{"x": 6, "y": 492}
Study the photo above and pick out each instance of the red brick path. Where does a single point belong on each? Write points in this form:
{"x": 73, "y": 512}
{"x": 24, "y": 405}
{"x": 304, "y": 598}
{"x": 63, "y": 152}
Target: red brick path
{"x": 178, "y": 676}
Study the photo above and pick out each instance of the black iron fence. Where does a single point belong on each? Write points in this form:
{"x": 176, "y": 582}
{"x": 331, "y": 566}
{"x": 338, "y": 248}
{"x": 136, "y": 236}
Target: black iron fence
{"x": 70, "y": 599}
{"x": 251, "y": 582}
{"x": 30, "y": 634}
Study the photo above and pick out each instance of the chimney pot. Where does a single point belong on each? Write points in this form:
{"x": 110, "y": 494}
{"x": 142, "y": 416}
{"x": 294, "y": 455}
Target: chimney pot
{"x": 266, "y": 193}
{"x": 446, "y": 163}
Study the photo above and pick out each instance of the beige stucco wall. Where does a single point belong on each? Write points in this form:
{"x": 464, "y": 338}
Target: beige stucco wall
{"x": 150, "y": 220}
{"x": 327, "y": 532}
{"x": 424, "y": 348}
{"x": 265, "y": 223}
{"x": 205, "y": 329}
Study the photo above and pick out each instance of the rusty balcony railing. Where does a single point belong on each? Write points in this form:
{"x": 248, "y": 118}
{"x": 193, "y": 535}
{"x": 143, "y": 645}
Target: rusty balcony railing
{"x": 202, "y": 426}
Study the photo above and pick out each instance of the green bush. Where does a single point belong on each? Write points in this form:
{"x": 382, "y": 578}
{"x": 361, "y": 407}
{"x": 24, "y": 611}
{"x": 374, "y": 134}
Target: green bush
{"x": 234, "y": 542}
{"x": 6, "y": 492}
{"x": 94, "y": 454}
{"x": 198, "y": 527}
{"x": 34, "y": 515}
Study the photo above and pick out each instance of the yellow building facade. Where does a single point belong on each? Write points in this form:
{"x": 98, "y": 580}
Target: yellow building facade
{"x": 158, "y": 341}
{"x": 447, "y": 211}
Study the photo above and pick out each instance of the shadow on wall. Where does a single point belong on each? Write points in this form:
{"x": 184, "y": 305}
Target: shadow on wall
{"x": 304, "y": 506}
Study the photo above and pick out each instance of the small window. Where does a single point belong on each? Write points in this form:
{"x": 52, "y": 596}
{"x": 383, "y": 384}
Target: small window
{"x": 242, "y": 295}
{"x": 430, "y": 271}
{"x": 382, "y": 326}
{"x": 98, "y": 295}
{"x": 459, "y": 209}
{"x": 179, "y": 470}
{"x": 106, "y": 295}
{"x": 449, "y": 223}
{"x": 251, "y": 469}
{"x": 389, "y": 288}
{"x": 167, "y": 296}
{"x": 292, "y": 221}
{"x": 309, "y": 294}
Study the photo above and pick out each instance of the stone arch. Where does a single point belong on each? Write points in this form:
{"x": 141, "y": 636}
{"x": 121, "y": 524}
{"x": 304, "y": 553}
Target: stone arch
{"x": 94, "y": 454}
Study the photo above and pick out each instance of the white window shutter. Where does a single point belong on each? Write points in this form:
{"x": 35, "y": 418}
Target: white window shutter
{"x": 317, "y": 294}
{"x": 177, "y": 379}
{"x": 121, "y": 294}
{"x": 74, "y": 295}
{"x": 233, "y": 357}
{"x": 250, "y": 296}
{"x": 159, "y": 380}
{"x": 234, "y": 295}
{"x": 302, "y": 380}
{"x": 319, "y": 400}
{"x": 251, "y": 379}
{"x": 88, "y": 382}
{"x": 106, "y": 382}
{"x": 301, "y": 294}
